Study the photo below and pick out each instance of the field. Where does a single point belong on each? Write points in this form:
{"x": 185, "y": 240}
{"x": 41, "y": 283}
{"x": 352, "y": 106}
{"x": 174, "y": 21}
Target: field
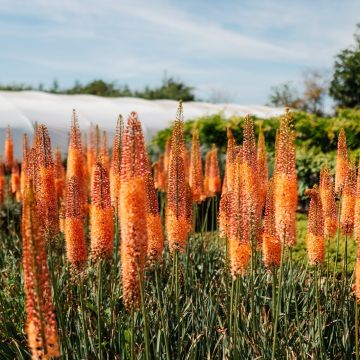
{"x": 204, "y": 300}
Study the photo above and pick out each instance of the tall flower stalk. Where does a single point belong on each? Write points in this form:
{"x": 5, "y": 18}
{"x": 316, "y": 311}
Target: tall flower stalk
{"x": 101, "y": 215}
{"x": 271, "y": 242}
{"x": 115, "y": 166}
{"x": 41, "y": 325}
{"x": 342, "y": 163}
{"x": 133, "y": 213}
{"x": 315, "y": 240}
{"x": 9, "y": 149}
{"x": 176, "y": 210}
{"x": 75, "y": 160}
{"x": 195, "y": 172}
{"x": 285, "y": 183}
{"x": 74, "y": 226}
{"x": 44, "y": 176}
{"x": 327, "y": 196}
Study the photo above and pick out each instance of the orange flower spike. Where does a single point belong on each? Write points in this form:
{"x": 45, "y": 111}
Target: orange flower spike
{"x": 104, "y": 151}
{"x": 315, "y": 240}
{"x": 342, "y": 163}
{"x": 41, "y": 326}
{"x": 167, "y": 154}
{"x": 357, "y": 208}
{"x": 75, "y": 159}
{"x": 45, "y": 183}
{"x": 91, "y": 151}
{"x": 348, "y": 200}
{"x": 156, "y": 172}
{"x": 154, "y": 229}
{"x": 101, "y": 215}
{"x": 285, "y": 183}
{"x": 74, "y": 226}
{"x": 356, "y": 286}
{"x": 133, "y": 210}
{"x": 224, "y": 213}
{"x": 24, "y": 164}
{"x": 195, "y": 172}
{"x": 230, "y": 159}
{"x": 214, "y": 173}
{"x": 177, "y": 204}
{"x": 133, "y": 238}
{"x": 9, "y": 149}
{"x": 327, "y": 196}
{"x": 271, "y": 243}
{"x": 162, "y": 173}
{"x": 251, "y": 180}
{"x": 2, "y": 182}
{"x": 206, "y": 173}
{"x": 59, "y": 174}
{"x": 262, "y": 168}
{"x": 238, "y": 226}
{"x": 15, "y": 178}
{"x": 115, "y": 167}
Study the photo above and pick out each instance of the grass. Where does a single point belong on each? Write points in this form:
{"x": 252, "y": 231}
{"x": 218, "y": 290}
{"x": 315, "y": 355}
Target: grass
{"x": 315, "y": 313}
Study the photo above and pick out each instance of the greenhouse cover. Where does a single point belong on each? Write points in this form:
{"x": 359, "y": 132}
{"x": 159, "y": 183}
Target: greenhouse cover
{"x": 21, "y": 110}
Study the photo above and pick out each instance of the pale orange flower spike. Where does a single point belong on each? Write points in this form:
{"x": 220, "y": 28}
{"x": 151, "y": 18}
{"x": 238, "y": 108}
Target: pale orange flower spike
{"x": 2, "y": 182}
{"x": 177, "y": 204}
{"x": 24, "y": 164}
{"x": 133, "y": 211}
{"x": 327, "y": 196}
{"x": 154, "y": 227}
{"x": 238, "y": 222}
{"x": 262, "y": 168}
{"x": 195, "y": 171}
{"x": 315, "y": 240}
{"x": 348, "y": 199}
{"x": 74, "y": 226}
{"x": 45, "y": 183}
{"x": 115, "y": 166}
{"x": 41, "y": 326}
{"x": 9, "y": 149}
{"x": 285, "y": 182}
{"x": 101, "y": 215}
{"x": 75, "y": 159}
{"x": 356, "y": 286}
{"x": 342, "y": 163}
{"x": 271, "y": 244}
{"x": 357, "y": 208}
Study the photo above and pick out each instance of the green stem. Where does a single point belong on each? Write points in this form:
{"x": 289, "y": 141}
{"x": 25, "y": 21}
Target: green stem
{"x": 231, "y": 309}
{"x": 337, "y": 241}
{"x": 252, "y": 286}
{"x": 166, "y": 337}
{"x": 296, "y": 303}
{"x": 132, "y": 335}
{"x": 236, "y": 314}
{"x": 143, "y": 308}
{"x": 319, "y": 313}
{"x": 356, "y": 330}
{"x": 278, "y": 302}
{"x": 85, "y": 332}
{"x": 177, "y": 303}
{"x": 99, "y": 307}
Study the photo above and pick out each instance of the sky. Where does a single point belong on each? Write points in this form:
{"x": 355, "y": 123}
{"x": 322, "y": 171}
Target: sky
{"x": 233, "y": 50}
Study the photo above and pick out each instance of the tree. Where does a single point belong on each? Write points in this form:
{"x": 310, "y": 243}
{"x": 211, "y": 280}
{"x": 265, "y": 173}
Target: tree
{"x": 315, "y": 88}
{"x": 170, "y": 89}
{"x": 345, "y": 84}
{"x": 285, "y": 95}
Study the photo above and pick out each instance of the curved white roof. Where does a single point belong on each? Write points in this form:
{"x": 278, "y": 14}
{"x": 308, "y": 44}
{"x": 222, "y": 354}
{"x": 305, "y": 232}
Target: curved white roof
{"x": 22, "y": 109}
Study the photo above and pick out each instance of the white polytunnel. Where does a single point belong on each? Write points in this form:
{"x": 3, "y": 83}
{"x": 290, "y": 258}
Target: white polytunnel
{"x": 22, "y": 109}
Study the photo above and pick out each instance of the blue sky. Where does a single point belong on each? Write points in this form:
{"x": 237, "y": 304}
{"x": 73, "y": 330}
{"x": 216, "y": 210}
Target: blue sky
{"x": 237, "y": 49}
